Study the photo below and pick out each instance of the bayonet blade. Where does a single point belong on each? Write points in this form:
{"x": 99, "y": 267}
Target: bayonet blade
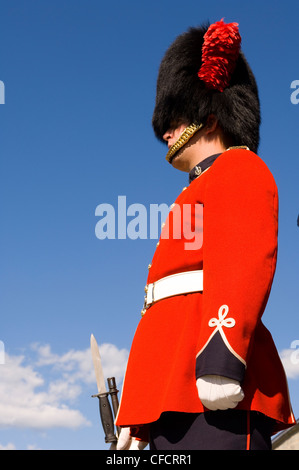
{"x": 96, "y": 358}
{"x": 103, "y": 395}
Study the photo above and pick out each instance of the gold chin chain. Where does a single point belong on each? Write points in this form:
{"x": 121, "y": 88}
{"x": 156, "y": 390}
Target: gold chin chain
{"x": 238, "y": 147}
{"x": 182, "y": 140}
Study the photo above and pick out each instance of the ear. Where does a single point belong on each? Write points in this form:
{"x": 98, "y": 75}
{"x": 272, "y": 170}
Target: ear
{"x": 211, "y": 124}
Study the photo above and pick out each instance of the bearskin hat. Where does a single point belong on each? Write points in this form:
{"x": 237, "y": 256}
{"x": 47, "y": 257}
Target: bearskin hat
{"x": 204, "y": 72}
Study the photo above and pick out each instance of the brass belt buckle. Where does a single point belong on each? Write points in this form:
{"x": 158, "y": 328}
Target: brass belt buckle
{"x": 143, "y": 311}
{"x": 147, "y": 304}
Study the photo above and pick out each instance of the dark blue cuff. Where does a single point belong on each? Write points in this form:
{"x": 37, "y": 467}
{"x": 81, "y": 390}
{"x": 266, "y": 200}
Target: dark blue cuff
{"x": 217, "y": 359}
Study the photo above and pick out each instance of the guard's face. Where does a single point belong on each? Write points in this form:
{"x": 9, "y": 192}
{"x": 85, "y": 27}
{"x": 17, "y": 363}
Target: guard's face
{"x": 172, "y": 135}
{"x": 183, "y": 157}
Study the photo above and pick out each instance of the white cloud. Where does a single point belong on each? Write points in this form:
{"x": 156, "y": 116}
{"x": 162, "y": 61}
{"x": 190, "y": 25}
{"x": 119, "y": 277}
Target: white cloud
{"x": 43, "y": 391}
{"x": 9, "y": 446}
{"x": 79, "y": 363}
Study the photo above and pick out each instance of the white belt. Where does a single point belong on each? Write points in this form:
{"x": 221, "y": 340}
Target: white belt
{"x": 175, "y": 284}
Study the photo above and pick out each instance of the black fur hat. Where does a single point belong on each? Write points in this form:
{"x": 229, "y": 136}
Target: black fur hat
{"x": 183, "y": 97}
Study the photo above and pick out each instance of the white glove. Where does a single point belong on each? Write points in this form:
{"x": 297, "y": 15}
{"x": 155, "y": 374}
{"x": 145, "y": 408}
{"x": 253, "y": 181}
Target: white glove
{"x": 127, "y": 442}
{"x": 219, "y": 393}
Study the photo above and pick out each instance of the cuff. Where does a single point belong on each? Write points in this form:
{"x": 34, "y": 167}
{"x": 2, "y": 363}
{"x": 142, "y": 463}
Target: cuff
{"x": 217, "y": 359}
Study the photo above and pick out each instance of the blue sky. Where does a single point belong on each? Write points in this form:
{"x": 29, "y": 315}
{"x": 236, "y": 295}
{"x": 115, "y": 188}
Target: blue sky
{"x": 75, "y": 131}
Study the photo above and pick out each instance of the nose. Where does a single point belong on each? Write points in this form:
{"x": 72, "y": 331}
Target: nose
{"x": 168, "y": 134}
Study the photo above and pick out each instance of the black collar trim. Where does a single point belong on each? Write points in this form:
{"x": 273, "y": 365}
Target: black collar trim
{"x": 202, "y": 166}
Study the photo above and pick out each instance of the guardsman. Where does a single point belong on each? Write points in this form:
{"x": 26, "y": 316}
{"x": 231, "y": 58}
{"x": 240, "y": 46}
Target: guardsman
{"x": 203, "y": 371}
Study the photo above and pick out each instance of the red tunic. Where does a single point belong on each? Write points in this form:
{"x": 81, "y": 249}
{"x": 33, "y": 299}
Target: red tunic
{"x": 219, "y": 330}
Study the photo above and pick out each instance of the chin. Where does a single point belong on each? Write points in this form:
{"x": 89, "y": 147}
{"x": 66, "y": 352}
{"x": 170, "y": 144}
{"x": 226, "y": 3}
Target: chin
{"x": 180, "y": 162}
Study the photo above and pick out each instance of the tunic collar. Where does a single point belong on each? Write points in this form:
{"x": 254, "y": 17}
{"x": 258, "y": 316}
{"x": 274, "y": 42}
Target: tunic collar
{"x": 202, "y": 166}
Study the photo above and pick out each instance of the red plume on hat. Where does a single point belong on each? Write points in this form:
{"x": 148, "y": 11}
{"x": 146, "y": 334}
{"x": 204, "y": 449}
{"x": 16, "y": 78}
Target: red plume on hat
{"x": 220, "y": 51}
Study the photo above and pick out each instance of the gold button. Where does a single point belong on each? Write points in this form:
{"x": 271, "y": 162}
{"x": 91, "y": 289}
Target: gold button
{"x": 143, "y": 311}
{"x": 184, "y": 188}
{"x": 158, "y": 244}
{"x": 149, "y": 266}
{"x": 146, "y": 289}
{"x": 198, "y": 170}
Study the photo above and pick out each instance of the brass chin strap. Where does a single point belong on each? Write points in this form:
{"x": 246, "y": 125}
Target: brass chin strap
{"x": 182, "y": 140}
